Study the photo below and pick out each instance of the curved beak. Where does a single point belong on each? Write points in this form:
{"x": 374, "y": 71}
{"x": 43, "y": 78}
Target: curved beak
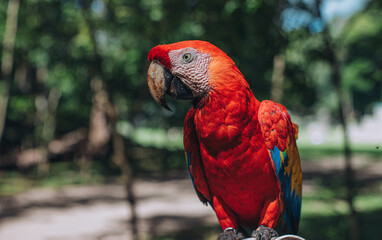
{"x": 161, "y": 82}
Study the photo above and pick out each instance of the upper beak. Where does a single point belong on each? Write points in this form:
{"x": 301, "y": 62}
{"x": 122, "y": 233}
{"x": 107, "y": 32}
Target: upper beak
{"x": 161, "y": 82}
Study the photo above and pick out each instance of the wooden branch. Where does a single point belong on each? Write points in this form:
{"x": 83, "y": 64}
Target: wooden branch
{"x": 284, "y": 237}
{"x": 32, "y": 156}
{"x": 7, "y": 58}
{"x": 289, "y": 237}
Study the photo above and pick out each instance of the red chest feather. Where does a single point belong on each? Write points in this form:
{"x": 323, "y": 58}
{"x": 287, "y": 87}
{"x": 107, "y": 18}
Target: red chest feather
{"x": 235, "y": 159}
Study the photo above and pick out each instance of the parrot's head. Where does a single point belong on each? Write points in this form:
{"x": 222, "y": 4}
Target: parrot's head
{"x": 187, "y": 70}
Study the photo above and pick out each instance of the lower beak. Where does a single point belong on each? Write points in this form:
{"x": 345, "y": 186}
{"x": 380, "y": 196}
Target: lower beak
{"x": 161, "y": 82}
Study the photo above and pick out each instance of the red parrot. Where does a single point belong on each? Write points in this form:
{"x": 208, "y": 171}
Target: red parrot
{"x": 241, "y": 153}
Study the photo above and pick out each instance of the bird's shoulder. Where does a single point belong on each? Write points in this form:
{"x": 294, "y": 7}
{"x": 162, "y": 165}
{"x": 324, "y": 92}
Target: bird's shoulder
{"x": 276, "y": 124}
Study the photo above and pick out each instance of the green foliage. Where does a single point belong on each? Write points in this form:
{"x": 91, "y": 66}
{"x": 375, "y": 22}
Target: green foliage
{"x": 54, "y": 49}
{"x": 362, "y": 74}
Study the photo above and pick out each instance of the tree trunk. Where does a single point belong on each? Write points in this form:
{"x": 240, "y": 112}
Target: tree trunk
{"x": 336, "y": 78}
{"x": 343, "y": 116}
{"x": 104, "y": 113}
{"x": 7, "y": 59}
{"x": 120, "y": 159}
{"x": 277, "y": 78}
{"x": 331, "y": 50}
{"x": 99, "y": 133}
{"x": 46, "y": 108}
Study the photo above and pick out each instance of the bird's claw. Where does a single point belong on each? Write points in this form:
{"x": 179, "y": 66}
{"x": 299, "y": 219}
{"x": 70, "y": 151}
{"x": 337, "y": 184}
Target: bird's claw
{"x": 230, "y": 234}
{"x": 264, "y": 233}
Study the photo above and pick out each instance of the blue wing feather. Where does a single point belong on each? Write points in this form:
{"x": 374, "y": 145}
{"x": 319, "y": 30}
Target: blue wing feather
{"x": 292, "y": 196}
{"x": 280, "y": 136}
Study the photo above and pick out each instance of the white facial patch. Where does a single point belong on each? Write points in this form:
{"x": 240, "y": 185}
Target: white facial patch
{"x": 191, "y": 67}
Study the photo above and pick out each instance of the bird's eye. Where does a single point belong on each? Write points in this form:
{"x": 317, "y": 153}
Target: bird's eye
{"x": 187, "y": 57}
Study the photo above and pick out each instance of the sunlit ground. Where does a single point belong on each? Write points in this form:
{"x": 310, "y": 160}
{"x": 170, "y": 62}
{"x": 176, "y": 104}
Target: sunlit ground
{"x": 167, "y": 205}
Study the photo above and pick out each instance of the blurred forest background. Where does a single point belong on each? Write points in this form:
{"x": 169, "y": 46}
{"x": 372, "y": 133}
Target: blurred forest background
{"x": 75, "y": 108}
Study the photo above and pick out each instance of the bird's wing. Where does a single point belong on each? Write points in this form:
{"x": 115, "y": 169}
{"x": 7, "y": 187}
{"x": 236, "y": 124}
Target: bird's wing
{"x": 194, "y": 161}
{"x": 280, "y": 136}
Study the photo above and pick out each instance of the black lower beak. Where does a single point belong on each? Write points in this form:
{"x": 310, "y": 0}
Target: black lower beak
{"x": 175, "y": 87}
{"x": 161, "y": 82}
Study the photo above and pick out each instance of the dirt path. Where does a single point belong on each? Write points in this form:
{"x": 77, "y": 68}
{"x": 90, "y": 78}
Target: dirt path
{"x": 100, "y": 212}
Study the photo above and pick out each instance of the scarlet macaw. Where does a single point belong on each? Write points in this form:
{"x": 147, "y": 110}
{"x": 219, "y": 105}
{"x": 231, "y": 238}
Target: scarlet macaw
{"x": 241, "y": 153}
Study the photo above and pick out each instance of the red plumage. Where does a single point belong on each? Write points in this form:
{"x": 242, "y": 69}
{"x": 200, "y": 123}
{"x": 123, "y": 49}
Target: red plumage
{"x": 229, "y": 137}
{"x": 235, "y": 160}
{"x": 160, "y": 53}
